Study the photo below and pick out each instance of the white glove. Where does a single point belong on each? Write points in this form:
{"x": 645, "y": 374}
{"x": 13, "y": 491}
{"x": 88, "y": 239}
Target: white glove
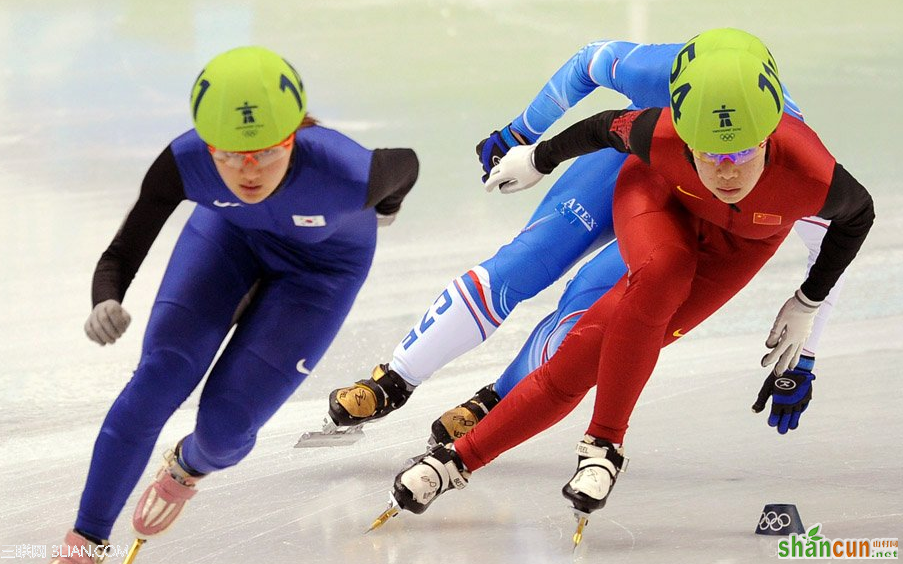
{"x": 515, "y": 171}
{"x": 385, "y": 220}
{"x": 107, "y": 322}
{"x": 789, "y": 333}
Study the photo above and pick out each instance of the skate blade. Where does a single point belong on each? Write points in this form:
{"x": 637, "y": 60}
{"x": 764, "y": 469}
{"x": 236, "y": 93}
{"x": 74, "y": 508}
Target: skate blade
{"x": 392, "y": 511}
{"x": 582, "y": 520}
{"x": 133, "y": 551}
{"x": 383, "y": 518}
{"x": 316, "y": 439}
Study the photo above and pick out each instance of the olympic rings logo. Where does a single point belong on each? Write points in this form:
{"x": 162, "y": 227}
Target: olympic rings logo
{"x": 727, "y": 136}
{"x": 773, "y": 521}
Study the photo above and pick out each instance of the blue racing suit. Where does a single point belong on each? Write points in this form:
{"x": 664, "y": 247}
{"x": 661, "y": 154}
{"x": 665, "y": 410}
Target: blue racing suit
{"x": 307, "y": 248}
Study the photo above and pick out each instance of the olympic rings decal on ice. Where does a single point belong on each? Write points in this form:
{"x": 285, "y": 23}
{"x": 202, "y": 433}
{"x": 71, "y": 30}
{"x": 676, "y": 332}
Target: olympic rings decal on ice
{"x": 773, "y": 521}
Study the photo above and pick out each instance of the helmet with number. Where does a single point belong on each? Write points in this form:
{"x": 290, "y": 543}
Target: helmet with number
{"x": 725, "y": 97}
{"x": 722, "y": 38}
{"x": 247, "y": 99}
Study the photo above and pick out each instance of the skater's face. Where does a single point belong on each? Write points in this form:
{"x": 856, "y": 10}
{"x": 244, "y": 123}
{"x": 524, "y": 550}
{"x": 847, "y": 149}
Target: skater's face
{"x": 253, "y": 176}
{"x": 731, "y": 177}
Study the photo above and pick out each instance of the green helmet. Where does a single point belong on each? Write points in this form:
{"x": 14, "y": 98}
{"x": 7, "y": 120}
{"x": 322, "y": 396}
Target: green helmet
{"x": 725, "y": 97}
{"x": 721, "y": 38}
{"x": 247, "y": 99}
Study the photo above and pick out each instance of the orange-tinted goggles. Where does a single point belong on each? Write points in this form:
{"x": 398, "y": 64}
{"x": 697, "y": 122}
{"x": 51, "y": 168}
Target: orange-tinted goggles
{"x": 262, "y": 157}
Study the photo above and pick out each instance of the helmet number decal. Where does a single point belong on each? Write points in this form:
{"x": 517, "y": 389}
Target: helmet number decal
{"x": 690, "y": 51}
{"x": 204, "y": 84}
{"x": 285, "y": 82}
{"x": 677, "y": 98}
{"x": 765, "y": 82}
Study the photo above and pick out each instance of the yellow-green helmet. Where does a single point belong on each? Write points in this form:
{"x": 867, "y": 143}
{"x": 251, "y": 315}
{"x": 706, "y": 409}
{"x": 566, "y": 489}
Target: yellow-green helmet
{"x": 247, "y": 99}
{"x": 721, "y": 38}
{"x": 725, "y": 92}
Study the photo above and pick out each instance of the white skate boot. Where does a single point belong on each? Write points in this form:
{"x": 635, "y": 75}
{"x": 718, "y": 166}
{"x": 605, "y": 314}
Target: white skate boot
{"x": 422, "y": 480}
{"x": 429, "y": 475}
{"x": 598, "y": 466}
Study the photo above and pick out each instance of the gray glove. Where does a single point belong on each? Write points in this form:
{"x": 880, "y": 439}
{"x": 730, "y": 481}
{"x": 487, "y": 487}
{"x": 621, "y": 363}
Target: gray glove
{"x": 107, "y": 322}
{"x": 789, "y": 332}
{"x": 385, "y": 220}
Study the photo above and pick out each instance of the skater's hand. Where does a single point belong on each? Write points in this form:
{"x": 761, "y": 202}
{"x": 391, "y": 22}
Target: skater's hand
{"x": 789, "y": 333}
{"x": 491, "y": 150}
{"x": 515, "y": 171}
{"x": 790, "y": 395}
{"x": 107, "y": 322}
{"x": 385, "y": 220}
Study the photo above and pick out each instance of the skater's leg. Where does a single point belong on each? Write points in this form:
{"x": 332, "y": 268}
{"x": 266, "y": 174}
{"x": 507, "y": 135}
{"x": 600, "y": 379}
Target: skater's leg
{"x": 204, "y": 282}
{"x": 593, "y": 280}
{"x": 573, "y": 219}
{"x": 279, "y": 341}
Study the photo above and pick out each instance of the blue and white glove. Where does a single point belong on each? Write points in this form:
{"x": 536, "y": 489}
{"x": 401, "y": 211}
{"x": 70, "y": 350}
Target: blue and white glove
{"x": 790, "y": 395}
{"x": 491, "y": 150}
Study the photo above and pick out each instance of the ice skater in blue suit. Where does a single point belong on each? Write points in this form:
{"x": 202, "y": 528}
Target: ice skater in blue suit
{"x": 278, "y": 245}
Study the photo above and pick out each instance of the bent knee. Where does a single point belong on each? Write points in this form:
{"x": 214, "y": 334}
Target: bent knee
{"x": 226, "y": 429}
{"x": 657, "y": 287}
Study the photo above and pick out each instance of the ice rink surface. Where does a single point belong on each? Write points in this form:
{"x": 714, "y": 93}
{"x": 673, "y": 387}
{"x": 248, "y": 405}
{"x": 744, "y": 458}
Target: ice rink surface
{"x": 92, "y": 91}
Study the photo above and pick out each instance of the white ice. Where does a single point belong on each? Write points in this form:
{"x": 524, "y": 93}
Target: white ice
{"x": 90, "y": 92}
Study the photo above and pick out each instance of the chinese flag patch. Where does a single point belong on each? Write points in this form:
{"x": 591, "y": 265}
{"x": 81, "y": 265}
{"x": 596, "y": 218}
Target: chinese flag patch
{"x": 760, "y": 218}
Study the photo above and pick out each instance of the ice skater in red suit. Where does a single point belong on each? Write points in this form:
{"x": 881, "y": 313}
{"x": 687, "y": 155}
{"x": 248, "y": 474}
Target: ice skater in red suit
{"x": 712, "y": 187}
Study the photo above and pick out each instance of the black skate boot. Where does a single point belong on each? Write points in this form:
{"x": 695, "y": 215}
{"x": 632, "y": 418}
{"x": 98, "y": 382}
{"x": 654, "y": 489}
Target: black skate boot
{"x": 429, "y": 475}
{"x": 367, "y": 400}
{"x": 461, "y": 419}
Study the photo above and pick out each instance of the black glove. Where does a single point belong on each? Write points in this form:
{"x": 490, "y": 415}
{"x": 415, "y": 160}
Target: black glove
{"x": 491, "y": 150}
{"x": 790, "y": 395}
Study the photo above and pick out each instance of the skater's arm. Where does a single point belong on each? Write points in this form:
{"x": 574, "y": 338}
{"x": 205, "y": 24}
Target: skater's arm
{"x": 627, "y": 131}
{"x": 812, "y": 232}
{"x": 851, "y": 211}
{"x": 393, "y": 173}
{"x": 161, "y": 192}
{"x": 639, "y": 72}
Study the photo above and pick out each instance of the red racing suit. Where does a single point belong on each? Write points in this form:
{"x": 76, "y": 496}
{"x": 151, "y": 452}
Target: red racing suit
{"x": 687, "y": 254}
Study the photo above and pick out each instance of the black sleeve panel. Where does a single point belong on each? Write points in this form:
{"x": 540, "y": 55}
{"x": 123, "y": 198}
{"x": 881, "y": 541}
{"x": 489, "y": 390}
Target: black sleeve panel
{"x": 161, "y": 192}
{"x": 851, "y": 211}
{"x": 626, "y": 131}
{"x": 393, "y": 173}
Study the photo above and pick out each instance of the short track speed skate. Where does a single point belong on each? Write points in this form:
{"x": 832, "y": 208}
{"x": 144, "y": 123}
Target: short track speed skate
{"x": 422, "y": 480}
{"x": 598, "y": 466}
{"x": 331, "y": 435}
{"x": 350, "y": 408}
